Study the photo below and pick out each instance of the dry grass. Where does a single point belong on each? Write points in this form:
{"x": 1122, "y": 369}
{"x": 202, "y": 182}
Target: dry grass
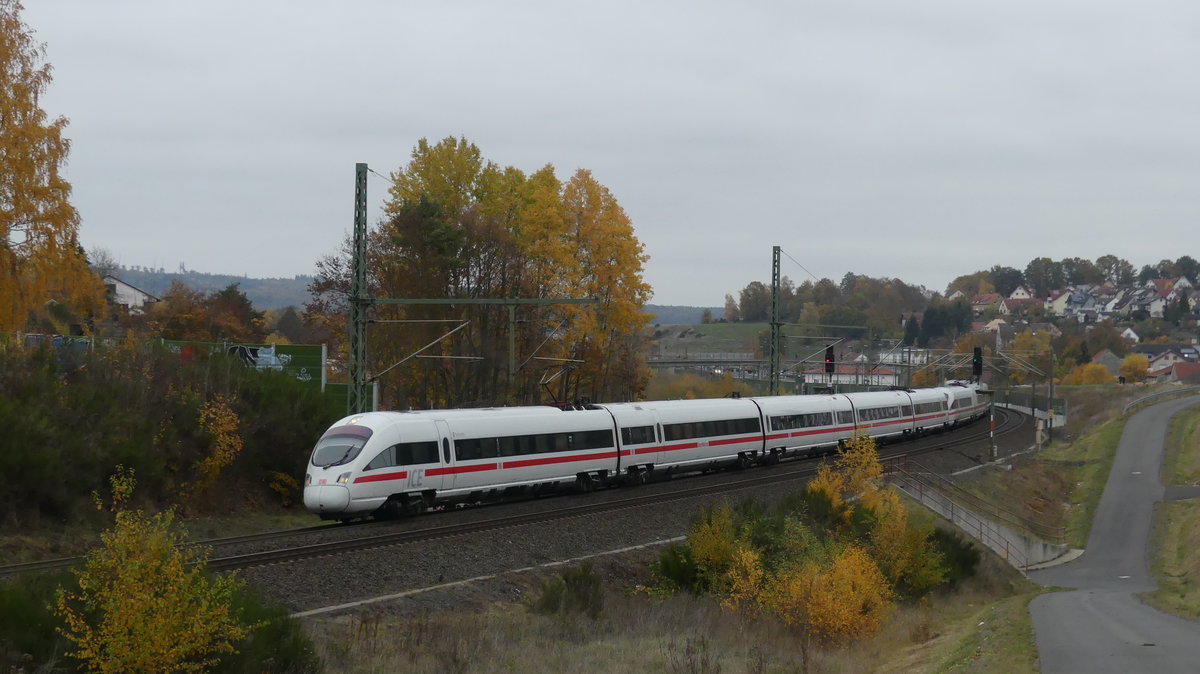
{"x": 1181, "y": 461}
{"x": 53, "y": 542}
{"x": 1175, "y": 565}
{"x": 637, "y": 631}
{"x": 1062, "y": 484}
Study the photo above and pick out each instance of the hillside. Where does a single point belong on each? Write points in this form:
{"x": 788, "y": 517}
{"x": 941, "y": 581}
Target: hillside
{"x": 263, "y": 293}
{"x": 277, "y": 293}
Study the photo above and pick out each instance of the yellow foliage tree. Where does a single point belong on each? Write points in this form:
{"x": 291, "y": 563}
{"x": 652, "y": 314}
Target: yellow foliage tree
{"x": 1134, "y": 367}
{"x": 1031, "y": 346}
{"x": 844, "y": 599}
{"x": 924, "y": 377}
{"x": 858, "y": 463}
{"x": 714, "y": 544}
{"x": 744, "y": 580}
{"x": 220, "y": 423}
{"x": 605, "y": 336}
{"x": 145, "y": 603}
{"x": 1088, "y": 374}
{"x": 847, "y": 599}
{"x": 41, "y": 260}
{"x": 899, "y": 546}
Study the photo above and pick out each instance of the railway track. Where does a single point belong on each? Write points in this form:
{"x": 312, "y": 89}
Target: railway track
{"x": 1008, "y": 422}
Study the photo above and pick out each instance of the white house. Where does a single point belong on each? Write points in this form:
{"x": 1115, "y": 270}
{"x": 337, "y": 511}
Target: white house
{"x": 132, "y": 298}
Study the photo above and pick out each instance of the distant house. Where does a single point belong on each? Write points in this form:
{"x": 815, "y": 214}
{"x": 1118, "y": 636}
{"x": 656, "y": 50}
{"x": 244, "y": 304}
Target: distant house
{"x": 1162, "y": 355}
{"x": 982, "y": 303}
{"x": 1058, "y": 301}
{"x": 131, "y": 297}
{"x": 1109, "y": 360}
{"x": 1186, "y": 373}
{"x": 1130, "y": 336}
{"x": 1165, "y": 360}
{"x": 1019, "y": 307}
{"x": 1045, "y": 327}
{"x": 1020, "y": 293}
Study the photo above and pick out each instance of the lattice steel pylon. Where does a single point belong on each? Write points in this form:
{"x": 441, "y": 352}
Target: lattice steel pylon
{"x": 773, "y": 386}
{"x": 358, "y": 396}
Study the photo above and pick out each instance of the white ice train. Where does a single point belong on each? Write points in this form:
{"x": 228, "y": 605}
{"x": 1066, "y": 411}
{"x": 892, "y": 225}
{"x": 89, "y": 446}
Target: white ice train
{"x": 390, "y": 463}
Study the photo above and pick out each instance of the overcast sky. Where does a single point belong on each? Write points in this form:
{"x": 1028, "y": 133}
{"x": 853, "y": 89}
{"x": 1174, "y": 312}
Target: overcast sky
{"x": 919, "y": 140}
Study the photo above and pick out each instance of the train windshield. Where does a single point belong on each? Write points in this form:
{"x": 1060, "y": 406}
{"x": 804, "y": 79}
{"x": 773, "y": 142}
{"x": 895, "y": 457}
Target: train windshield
{"x": 335, "y": 450}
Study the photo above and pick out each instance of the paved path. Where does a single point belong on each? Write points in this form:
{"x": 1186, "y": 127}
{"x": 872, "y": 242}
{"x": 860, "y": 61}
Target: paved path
{"x": 1101, "y": 626}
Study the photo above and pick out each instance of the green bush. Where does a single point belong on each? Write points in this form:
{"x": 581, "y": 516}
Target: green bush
{"x": 577, "y": 590}
{"x": 960, "y": 556}
{"x": 677, "y": 568}
{"x": 69, "y": 424}
{"x": 28, "y": 639}
{"x": 277, "y": 645}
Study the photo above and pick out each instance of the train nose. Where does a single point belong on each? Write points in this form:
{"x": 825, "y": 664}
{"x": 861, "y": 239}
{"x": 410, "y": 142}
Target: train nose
{"x": 326, "y": 498}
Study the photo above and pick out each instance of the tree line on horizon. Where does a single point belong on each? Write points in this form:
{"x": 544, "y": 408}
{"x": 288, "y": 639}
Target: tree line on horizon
{"x": 885, "y": 306}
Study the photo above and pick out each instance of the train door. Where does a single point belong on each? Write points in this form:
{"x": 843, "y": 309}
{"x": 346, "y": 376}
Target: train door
{"x": 441, "y": 476}
{"x": 428, "y": 475}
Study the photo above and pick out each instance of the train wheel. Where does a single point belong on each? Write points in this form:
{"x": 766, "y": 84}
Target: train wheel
{"x": 744, "y": 461}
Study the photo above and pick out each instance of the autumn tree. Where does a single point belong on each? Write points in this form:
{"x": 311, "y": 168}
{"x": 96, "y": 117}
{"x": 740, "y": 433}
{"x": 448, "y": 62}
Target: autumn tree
{"x": 976, "y": 283}
{"x": 1089, "y": 374}
{"x": 180, "y": 314}
{"x": 41, "y": 259}
{"x": 606, "y": 336}
{"x": 755, "y": 302}
{"x": 459, "y": 226}
{"x": 1134, "y": 367}
{"x": 145, "y": 602}
{"x": 1033, "y": 347}
{"x": 732, "y": 313}
{"x": 226, "y": 315}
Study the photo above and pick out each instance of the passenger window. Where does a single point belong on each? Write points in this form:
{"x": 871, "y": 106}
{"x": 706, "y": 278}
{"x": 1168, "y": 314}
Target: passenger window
{"x": 446, "y": 450}
{"x": 383, "y": 460}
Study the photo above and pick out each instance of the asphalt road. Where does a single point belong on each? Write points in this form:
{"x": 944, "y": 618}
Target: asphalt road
{"x": 1101, "y": 626}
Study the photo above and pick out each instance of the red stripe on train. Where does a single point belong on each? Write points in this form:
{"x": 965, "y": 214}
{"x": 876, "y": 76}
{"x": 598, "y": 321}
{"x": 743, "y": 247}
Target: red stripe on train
{"x": 381, "y": 477}
{"x": 451, "y": 470}
{"x": 559, "y": 459}
{"x": 734, "y": 441}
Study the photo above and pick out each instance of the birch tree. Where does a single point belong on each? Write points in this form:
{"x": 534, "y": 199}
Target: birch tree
{"x": 41, "y": 259}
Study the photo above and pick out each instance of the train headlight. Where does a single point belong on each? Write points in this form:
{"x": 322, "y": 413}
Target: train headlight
{"x": 343, "y": 478}
{"x": 307, "y": 479}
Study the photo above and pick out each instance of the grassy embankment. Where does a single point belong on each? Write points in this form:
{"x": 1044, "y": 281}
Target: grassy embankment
{"x": 1175, "y": 564}
{"x": 639, "y": 630}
